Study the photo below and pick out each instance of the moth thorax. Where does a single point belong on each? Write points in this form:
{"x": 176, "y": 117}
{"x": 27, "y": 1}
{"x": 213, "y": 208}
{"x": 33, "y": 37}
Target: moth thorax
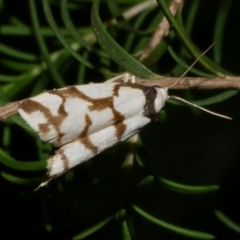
{"x": 160, "y": 99}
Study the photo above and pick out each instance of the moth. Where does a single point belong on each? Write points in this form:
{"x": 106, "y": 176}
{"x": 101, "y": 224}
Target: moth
{"x": 84, "y": 120}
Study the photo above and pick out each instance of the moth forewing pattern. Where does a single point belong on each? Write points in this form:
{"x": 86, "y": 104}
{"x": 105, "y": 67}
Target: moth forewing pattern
{"x": 87, "y": 119}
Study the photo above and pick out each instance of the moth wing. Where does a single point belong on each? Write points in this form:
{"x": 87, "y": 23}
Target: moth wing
{"x": 80, "y": 150}
{"x": 63, "y": 115}
{"x": 59, "y": 116}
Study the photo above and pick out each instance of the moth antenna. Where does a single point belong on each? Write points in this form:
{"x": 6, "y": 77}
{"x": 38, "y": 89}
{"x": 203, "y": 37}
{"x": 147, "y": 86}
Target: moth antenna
{"x": 203, "y": 53}
{"x": 203, "y": 109}
{"x": 192, "y": 104}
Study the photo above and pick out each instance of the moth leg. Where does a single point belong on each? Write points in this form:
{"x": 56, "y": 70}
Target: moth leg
{"x": 133, "y": 79}
{"x": 128, "y": 78}
{"x": 120, "y": 78}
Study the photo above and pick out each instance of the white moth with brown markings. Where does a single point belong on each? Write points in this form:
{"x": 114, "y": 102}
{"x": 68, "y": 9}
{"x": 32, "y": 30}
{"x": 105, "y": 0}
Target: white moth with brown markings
{"x": 87, "y": 119}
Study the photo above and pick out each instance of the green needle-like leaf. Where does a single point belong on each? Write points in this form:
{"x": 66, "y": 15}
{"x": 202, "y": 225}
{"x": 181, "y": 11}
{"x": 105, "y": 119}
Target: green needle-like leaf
{"x": 171, "y": 227}
{"x": 227, "y": 221}
{"x": 19, "y": 180}
{"x": 93, "y": 229}
{"x": 116, "y": 52}
{"x": 187, "y": 189}
{"x": 21, "y": 165}
{"x": 180, "y": 32}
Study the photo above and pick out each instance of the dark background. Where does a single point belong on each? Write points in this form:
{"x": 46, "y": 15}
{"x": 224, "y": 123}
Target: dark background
{"x": 192, "y": 149}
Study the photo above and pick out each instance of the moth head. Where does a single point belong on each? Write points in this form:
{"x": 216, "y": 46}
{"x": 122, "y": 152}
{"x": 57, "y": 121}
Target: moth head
{"x": 162, "y": 96}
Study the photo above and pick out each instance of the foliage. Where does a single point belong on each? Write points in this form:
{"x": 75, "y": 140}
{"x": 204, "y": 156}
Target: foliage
{"x": 185, "y": 171}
